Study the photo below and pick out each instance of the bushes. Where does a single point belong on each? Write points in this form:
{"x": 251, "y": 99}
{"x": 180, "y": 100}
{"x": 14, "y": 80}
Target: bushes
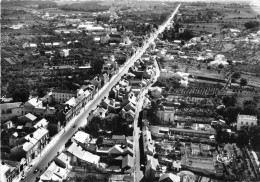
{"x": 252, "y": 24}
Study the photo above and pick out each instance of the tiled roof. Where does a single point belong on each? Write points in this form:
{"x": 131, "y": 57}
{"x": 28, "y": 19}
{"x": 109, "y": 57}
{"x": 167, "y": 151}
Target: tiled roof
{"x": 82, "y": 154}
{"x": 81, "y": 137}
{"x": 31, "y": 116}
{"x": 128, "y": 161}
{"x": 42, "y": 123}
{"x": 10, "y": 105}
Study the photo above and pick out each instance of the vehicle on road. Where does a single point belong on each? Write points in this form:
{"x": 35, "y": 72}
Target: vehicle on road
{"x": 22, "y": 177}
{"x": 36, "y": 170}
{"x": 74, "y": 126}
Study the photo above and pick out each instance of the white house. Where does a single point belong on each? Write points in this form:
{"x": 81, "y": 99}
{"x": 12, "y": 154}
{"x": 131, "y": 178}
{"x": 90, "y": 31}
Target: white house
{"x": 64, "y": 52}
{"x": 246, "y": 120}
{"x": 166, "y": 115}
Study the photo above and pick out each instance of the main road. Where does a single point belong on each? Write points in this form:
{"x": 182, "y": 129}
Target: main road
{"x": 57, "y": 144}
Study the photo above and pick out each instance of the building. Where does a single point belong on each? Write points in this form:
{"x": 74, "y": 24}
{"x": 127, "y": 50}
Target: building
{"x": 246, "y": 120}
{"x": 64, "y": 52}
{"x": 81, "y": 138}
{"x": 148, "y": 143}
{"x": 121, "y": 178}
{"x": 29, "y": 150}
{"x": 61, "y": 96}
{"x": 151, "y": 168}
{"x": 9, "y": 110}
{"x": 81, "y": 157}
{"x": 42, "y": 123}
{"x": 54, "y": 173}
{"x": 96, "y": 82}
{"x": 99, "y": 111}
{"x": 7, "y": 172}
{"x": 166, "y": 115}
{"x": 28, "y": 118}
{"x": 169, "y": 177}
{"x": 31, "y": 104}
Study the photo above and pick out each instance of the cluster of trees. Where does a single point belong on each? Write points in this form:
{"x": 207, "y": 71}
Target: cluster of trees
{"x": 242, "y": 138}
{"x": 85, "y": 6}
{"x": 186, "y": 35}
{"x": 114, "y": 123}
{"x": 47, "y": 4}
{"x": 231, "y": 110}
{"x": 152, "y": 113}
{"x": 252, "y": 24}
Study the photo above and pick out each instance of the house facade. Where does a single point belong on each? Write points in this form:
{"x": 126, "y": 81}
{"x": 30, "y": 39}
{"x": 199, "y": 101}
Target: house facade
{"x": 246, "y": 120}
{"x": 61, "y": 96}
{"x": 9, "y": 110}
{"x": 33, "y": 146}
{"x": 166, "y": 115}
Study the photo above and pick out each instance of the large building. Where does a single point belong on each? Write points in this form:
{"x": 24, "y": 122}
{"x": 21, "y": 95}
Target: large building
{"x": 246, "y": 120}
{"x": 61, "y": 96}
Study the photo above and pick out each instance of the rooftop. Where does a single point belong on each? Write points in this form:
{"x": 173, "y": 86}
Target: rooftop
{"x": 10, "y": 105}
{"x": 81, "y": 137}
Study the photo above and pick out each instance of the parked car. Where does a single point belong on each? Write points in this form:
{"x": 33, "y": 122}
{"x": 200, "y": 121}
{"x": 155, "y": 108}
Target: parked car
{"x": 22, "y": 177}
{"x": 36, "y": 170}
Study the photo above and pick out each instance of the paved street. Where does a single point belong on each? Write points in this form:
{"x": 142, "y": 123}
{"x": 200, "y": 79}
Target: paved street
{"x": 59, "y": 141}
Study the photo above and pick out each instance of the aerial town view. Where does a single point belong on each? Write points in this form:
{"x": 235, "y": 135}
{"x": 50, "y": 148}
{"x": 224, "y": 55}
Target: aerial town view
{"x": 130, "y": 91}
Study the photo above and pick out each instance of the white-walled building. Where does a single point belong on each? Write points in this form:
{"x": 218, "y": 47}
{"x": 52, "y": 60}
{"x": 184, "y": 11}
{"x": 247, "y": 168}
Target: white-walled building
{"x": 61, "y": 96}
{"x": 166, "y": 115}
{"x": 246, "y": 120}
{"x": 64, "y": 52}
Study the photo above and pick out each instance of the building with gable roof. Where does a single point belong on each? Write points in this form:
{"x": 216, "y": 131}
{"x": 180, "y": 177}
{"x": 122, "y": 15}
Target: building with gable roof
{"x": 35, "y": 142}
{"x": 127, "y": 163}
{"x": 81, "y": 138}
{"x": 151, "y": 168}
{"x": 99, "y": 111}
{"x": 28, "y": 118}
{"x": 169, "y": 177}
{"x": 7, "y": 172}
{"x": 54, "y": 173}
{"x": 80, "y": 156}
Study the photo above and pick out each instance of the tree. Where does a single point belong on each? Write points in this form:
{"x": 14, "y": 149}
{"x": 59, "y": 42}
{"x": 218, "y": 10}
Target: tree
{"x": 96, "y": 65}
{"x": 231, "y": 114}
{"x": 242, "y": 138}
{"x": 40, "y": 92}
{"x": 53, "y": 129}
{"x": 252, "y": 24}
{"x": 187, "y": 35}
{"x": 236, "y": 75}
{"x": 229, "y": 101}
{"x": 111, "y": 121}
{"x": 243, "y": 82}
{"x": 21, "y": 95}
{"x": 221, "y": 66}
{"x": 94, "y": 126}
{"x": 250, "y": 110}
